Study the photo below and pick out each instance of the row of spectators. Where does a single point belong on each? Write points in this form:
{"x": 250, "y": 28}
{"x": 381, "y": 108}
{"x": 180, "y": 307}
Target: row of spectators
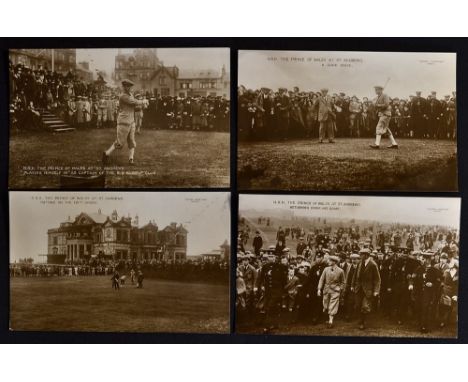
{"x": 81, "y": 104}
{"x": 339, "y": 238}
{"x": 189, "y": 271}
{"x": 268, "y": 115}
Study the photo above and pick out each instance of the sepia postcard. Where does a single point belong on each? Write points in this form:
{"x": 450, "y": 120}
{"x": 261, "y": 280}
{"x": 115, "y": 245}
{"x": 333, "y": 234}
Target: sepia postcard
{"x": 119, "y": 118}
{"x": 313, "y": 120}
{"x": 120, "y": 261}
{"x": 348, "y": 266}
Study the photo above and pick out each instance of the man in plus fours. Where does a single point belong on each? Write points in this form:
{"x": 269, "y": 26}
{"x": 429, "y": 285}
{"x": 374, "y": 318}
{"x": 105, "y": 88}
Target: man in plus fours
{"x": 125, "y": 123}
{"x": 384, "y": 112}
{"x": 331, "y": 285}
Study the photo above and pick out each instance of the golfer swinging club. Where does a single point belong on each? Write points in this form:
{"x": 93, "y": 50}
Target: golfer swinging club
{"x": 125, "y": 123}
{"x": 384, "y": 110}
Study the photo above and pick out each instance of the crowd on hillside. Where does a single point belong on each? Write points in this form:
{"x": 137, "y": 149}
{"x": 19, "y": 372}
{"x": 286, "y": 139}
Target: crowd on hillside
{"x": 402, "y": 273}
{"x": 94, "y": 104}
{"x": 285, "y": 114}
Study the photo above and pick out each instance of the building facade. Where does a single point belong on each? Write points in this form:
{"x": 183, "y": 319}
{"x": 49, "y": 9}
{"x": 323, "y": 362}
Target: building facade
{"x": 204, "y": 83}
{"x": 64, "y": 60}
{"x": 150, "y": 75}
{"x": 221, "y": 254}
{"x": 114, "y": 237}
{"x": 83, "y": 73}
{"x": 145, "y": 69}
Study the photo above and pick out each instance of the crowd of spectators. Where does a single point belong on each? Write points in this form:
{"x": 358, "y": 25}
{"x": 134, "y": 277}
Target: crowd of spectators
{"x": 188, "y": 271}
{"x": 285, "y": 114}
{"x": 95, "y": 104}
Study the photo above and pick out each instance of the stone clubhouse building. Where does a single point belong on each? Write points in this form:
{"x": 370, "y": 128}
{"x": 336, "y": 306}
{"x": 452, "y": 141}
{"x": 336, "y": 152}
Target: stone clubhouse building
{"x": 114, "y": 237}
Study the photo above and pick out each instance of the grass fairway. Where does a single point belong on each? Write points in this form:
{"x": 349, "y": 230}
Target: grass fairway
{"x": 377, "y": 327}
{"x": 349, "y": 164}
{"x": 89, "y": 304}
{"x": 163, "y": 158}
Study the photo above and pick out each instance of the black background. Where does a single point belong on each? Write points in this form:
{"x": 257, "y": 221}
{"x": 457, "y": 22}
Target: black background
{"x": 457, "y": 45}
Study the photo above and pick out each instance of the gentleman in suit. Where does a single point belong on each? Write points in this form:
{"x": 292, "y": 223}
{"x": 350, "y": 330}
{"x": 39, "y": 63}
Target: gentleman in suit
{"x": 257, "y": 243}
{"x": 331, "y": 285}
{"x": 293, "y": 285}
{"x": 272, "y": 280}
{"x": 366, "y": 284}
{"x": 301, "y": 246}
{"x": 385, "y": 269}
{"x": 434, "y": 117}
{"x": 125, "y": 124}
{"x": 282, "y": 106}
{"x": 350, "y": 298}
{"x": 260, "y": 114}
{"x": 426, "y": 288}
{"x": 326, "y": 116}
{"x": 418, "y": 114}
{"x": 281, "y": 237}
{"x": 384, "y": 113}
{"x": 310, "y": 287}
{"x": 401, "y": 285}
{"x": 449, "y": 292}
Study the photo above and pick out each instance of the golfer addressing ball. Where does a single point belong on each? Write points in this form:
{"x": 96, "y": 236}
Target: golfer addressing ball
{"x": 125, "y": 123}
{"x": 384, "y": 112}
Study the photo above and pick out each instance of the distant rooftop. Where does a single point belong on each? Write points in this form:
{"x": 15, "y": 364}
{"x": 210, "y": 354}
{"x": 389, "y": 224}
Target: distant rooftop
{"x": 199, "y": 74}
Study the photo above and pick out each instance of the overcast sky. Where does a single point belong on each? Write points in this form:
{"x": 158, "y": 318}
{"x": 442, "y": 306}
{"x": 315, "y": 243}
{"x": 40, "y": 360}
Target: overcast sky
{"x": 410, "y": 210}
{"x": 309, "y": 71}
{"x": 184, "y": 58}
{"x": 205, "y": 215}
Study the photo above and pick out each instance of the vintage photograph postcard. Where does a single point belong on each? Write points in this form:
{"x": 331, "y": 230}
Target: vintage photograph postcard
{"x": 120, "y": 261}
{"x": 348, "y": 266}
{"x": 119, "y": 118}
{"x": 381, "y": 121}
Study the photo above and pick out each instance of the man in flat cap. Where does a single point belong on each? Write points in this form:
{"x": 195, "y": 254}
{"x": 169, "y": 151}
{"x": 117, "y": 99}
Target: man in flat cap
{"x": 326, "y": 116}
{"x": 366, "y": 284}
{"x": 125, "y": 123}
{"x": 384, "y": 113}
{"x": 331, "y": 285}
